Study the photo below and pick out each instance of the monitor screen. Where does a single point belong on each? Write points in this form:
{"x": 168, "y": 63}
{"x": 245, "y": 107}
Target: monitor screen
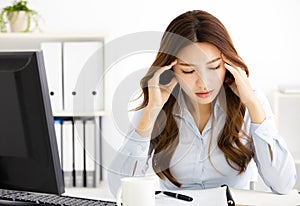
{"x": 29, "y": 159}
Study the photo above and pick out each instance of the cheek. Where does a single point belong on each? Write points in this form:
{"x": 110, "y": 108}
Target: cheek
{"x": 218, "y": 77}
{"x": 185, "y": 81}
{"x": 221, "y": 74}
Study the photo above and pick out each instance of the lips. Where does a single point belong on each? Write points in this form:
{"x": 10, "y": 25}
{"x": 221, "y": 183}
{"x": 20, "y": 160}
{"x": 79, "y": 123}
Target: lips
{"x": 204, "y": 94}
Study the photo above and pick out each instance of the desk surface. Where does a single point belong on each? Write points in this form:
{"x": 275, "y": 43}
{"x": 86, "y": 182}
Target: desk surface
{"x": 251, "y": 197}
{"x": 241, "y": 197}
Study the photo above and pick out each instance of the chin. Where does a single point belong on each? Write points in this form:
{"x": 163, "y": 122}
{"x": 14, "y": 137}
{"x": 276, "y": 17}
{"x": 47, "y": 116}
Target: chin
{"x": 204, "y": 102}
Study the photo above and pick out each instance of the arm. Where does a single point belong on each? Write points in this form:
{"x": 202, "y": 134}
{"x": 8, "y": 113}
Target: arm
{"x": 274, "y": 161}
{"x": 131, "y": 159}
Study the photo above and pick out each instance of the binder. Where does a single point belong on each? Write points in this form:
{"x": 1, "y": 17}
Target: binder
{"x": 52, "y": 52}
{"x": 230, "y": 201}
{"x": 83, "y": 76}
{"x": 79, "y": 152}
{"x": 67, "y": 152}
{"x": 90, "y": 154}
{"x": 58, "y": 130}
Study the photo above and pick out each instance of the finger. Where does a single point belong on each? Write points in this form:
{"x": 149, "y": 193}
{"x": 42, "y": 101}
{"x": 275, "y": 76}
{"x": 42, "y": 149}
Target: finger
{"x": 231, "y": 69}
{"x": 229, "y": 65}
{"x": 241, "y": 71}
{"x": 228, "y": 62}
{"x": 233, "y": 87}
{"x": 156, "y": 76}
{"x": 172, "y": 84}
{"x": 164, "y": 68}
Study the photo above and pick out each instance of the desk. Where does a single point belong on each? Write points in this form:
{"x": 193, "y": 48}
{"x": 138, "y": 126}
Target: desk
{"x": 251, "y": 197}
{"x": 241, "y": 197}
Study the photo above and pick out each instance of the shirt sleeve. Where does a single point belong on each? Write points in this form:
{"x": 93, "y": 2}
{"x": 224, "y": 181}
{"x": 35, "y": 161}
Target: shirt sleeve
{"x": 275, "y": 163}
{"x": 131, "y": 159}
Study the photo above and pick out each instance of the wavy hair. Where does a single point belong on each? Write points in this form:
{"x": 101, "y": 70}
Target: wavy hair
{"x": 187, "y": 28}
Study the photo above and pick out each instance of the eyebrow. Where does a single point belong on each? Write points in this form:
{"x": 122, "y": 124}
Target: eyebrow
{"x": 213, "y": 60}
{"x": 186, "y": 64}
{"x": 194, "y": 65}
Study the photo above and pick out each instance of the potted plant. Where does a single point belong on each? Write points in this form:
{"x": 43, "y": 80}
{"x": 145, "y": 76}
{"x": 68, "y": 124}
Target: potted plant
{"x": 19, "y": 17}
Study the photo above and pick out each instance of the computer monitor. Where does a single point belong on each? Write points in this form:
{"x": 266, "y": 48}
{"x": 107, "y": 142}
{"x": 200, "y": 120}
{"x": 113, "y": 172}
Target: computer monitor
{"x": 29, "y": 159}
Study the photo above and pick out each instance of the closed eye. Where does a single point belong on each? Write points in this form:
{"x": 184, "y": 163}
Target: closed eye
{"x": 188, "y": 72}
{"x": 215, "y": 68}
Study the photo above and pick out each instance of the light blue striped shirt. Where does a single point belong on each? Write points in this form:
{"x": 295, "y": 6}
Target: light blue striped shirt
{"x": 190, "y": 164}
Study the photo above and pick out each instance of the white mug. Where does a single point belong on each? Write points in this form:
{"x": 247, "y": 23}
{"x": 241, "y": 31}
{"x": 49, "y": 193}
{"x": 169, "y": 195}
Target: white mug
{"x": 136, "y": 191}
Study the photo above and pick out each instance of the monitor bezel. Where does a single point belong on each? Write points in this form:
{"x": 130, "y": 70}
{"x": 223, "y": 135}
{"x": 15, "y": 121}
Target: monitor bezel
{"x": 37, "y": 55}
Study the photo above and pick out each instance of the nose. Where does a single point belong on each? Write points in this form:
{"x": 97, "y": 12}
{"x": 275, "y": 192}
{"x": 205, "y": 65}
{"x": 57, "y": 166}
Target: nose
{"x": 201, "y": 81}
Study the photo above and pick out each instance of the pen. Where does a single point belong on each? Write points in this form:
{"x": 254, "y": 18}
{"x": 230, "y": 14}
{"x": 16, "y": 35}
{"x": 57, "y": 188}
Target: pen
{"x": 176, "y": 195}
{"x": 134, "y": 168}
{"x": 230, "y": 200}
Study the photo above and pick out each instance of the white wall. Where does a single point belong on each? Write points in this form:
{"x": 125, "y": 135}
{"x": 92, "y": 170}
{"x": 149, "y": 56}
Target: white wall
{"x": 266, "y": 34}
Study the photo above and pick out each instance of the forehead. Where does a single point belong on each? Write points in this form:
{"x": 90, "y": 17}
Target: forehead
{"x": 199, "y": 52}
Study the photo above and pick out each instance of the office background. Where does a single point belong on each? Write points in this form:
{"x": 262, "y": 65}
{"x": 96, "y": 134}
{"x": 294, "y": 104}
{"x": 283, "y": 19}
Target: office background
{"x": 265, "y": 33}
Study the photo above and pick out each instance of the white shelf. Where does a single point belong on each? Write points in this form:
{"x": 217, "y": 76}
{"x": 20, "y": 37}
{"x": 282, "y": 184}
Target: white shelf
{"x": 292, "y": 95}
{"x": 92, "y": 44}
{"x": 26, "y": 41}
{"x": 68, "y": 36}
{"x": 83, "y": 114}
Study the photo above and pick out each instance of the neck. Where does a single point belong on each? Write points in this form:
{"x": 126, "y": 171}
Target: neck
{"x": 203, "y": 116}
{"x": 200, "y": 112}
{"x": 204, "y": 109}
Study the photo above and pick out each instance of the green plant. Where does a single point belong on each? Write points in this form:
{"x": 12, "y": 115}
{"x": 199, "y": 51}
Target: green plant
{"x": 17, "y": 6}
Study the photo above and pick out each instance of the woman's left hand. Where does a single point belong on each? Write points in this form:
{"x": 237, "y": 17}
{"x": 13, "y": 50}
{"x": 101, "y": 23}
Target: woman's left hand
{"x": 241, "y": 86}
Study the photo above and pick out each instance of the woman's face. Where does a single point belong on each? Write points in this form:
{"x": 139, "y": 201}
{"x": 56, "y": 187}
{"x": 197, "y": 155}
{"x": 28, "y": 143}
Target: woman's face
{"x": 200, "y": 71}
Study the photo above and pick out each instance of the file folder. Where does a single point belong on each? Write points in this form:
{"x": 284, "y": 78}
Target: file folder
{"x": 83, "y": 76}
{"x": 90, "y": 153}
{"x": 52, "y": 52}
{"x": 79, "y": 152}
{"x": 58, "y": 131}
{"x": 67, "y": 153}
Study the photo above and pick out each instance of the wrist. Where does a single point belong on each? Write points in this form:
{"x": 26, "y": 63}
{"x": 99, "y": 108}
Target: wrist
{"x": 256, "y": 111}
{"x": 146, "y": 123}
{"x": 152, "y": 110}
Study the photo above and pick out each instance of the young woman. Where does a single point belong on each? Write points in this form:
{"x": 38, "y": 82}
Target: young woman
{"x": 207, "y": 126}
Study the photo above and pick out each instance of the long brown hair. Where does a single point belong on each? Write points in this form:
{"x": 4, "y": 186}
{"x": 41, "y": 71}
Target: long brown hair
{"x": 187, "y": 28}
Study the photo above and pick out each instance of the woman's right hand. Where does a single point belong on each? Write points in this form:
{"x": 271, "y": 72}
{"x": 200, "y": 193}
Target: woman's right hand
{"x": 158, "y": 93}
{"x": 158, "y": 96}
